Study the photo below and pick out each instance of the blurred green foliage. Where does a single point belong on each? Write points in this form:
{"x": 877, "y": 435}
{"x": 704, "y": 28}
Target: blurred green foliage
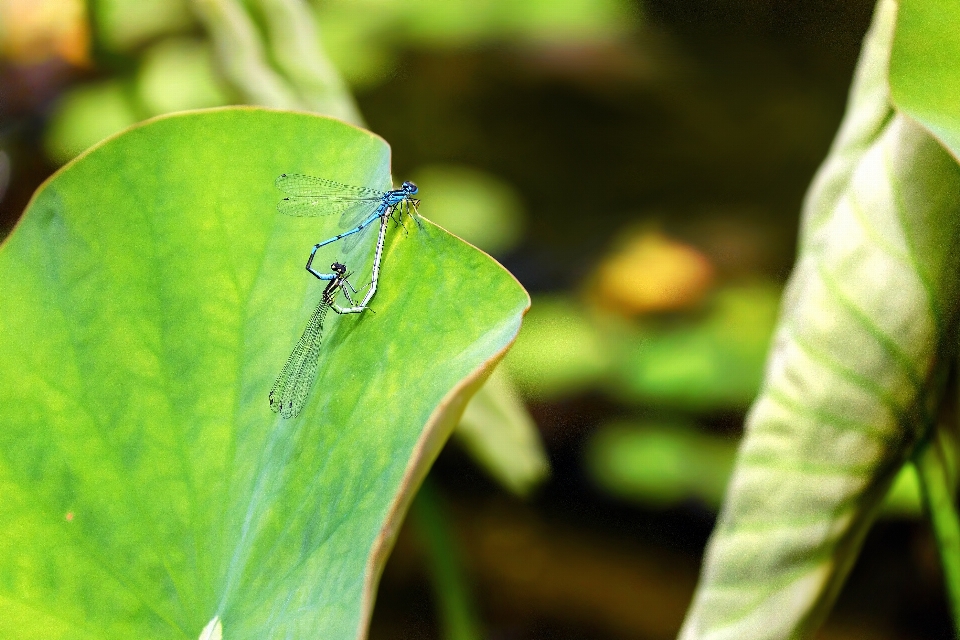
{"x": 705, "y": 360}
{"x": 174, "y": 71}
{"x": 364, "y": 37}
{"x": 88, "y": 114}
{"x": 456, "y": 605}
{"x": 660, "y": 463}
{"x": 708, "y": 361}
{"x": 177, "y": 74}
{"x": 561, "y": 349}
{"x": 125, "y": 25}
{"x": 664, "y": 463}
{"x": 470, "y": 203}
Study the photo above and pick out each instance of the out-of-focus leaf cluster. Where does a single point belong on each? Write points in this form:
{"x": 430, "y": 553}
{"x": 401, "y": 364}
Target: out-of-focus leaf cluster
{"x": 706, "y": 359}
{"x": 366, "y": 36}
{"x": 653, "y": 329}
{"x": 159, "y": 56}
{"x": 175, "y": 74}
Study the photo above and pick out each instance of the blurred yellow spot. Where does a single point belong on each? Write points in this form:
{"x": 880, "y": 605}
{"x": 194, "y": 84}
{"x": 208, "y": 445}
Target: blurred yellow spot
{"x": 33, "y": 31}
{"x": 652, "y": 273}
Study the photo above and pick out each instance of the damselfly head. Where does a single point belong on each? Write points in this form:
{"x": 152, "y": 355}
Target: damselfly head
{"x": 409, "y": 188}
{"x": 338, "y": 268}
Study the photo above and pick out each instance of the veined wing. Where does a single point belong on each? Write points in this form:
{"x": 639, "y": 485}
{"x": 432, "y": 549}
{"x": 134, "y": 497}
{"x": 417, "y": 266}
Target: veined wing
{"x": 297, "y": 184}
{"x": 311, "y": 206}
{"x": 293, "y": 385}
{"x": 351, "y": 241}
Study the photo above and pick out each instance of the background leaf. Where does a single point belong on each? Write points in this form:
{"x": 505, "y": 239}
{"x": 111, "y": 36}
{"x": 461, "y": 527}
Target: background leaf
{"x": 853, "y": 375}
{"x": 150, "y": 295}
{"x": 502, "y": 437}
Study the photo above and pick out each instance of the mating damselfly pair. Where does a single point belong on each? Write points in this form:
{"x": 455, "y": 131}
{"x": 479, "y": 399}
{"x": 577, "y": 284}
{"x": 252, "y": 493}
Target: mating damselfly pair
{"x": 359, "y": 207}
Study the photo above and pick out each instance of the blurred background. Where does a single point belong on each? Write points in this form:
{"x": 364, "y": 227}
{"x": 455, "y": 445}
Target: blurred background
{"x": 638, "y": 165}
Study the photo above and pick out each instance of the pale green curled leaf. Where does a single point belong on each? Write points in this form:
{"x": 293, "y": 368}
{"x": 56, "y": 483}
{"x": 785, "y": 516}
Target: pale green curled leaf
{"x": 499, "y": 433}
{"x": 925, "y": 67}
{"x": 294, "y": 43}
{"x": 242, "y": 54}
{"x": 866, "y": 322}
{"x": 148, "y": 297}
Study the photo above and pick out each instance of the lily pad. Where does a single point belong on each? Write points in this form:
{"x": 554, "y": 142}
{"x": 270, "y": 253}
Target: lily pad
{"x": 149, "y": 296}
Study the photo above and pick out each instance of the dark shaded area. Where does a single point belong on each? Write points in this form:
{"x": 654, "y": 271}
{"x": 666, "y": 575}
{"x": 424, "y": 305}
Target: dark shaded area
{"x": 26, "y": 94}
{"x": 690, "y": 122}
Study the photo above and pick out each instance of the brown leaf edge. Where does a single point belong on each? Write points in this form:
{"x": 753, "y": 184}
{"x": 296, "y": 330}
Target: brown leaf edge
{"x": 435, "y": 433}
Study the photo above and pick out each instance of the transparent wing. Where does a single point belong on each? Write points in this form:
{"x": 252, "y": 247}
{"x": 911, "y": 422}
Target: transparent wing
{"x": 352, "y": 241}
{"x": 311, "y": 206}
{"x": 293, "y": 385}
{"x": 297, "y": 184}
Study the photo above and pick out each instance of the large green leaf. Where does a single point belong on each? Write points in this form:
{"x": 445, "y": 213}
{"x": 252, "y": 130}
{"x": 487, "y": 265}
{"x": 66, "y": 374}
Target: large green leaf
{"x": 925, "y": 67}
{"x": 149, "y": 296}
{"x": 865, "y": 330}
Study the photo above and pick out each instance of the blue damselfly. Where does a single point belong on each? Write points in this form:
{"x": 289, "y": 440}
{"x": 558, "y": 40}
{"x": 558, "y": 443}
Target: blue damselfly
{"x": 359, "y": 207}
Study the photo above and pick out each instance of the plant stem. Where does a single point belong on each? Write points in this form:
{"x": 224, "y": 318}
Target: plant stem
{"x": 933, "y": 472}
{"x": 458, "y": 619}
